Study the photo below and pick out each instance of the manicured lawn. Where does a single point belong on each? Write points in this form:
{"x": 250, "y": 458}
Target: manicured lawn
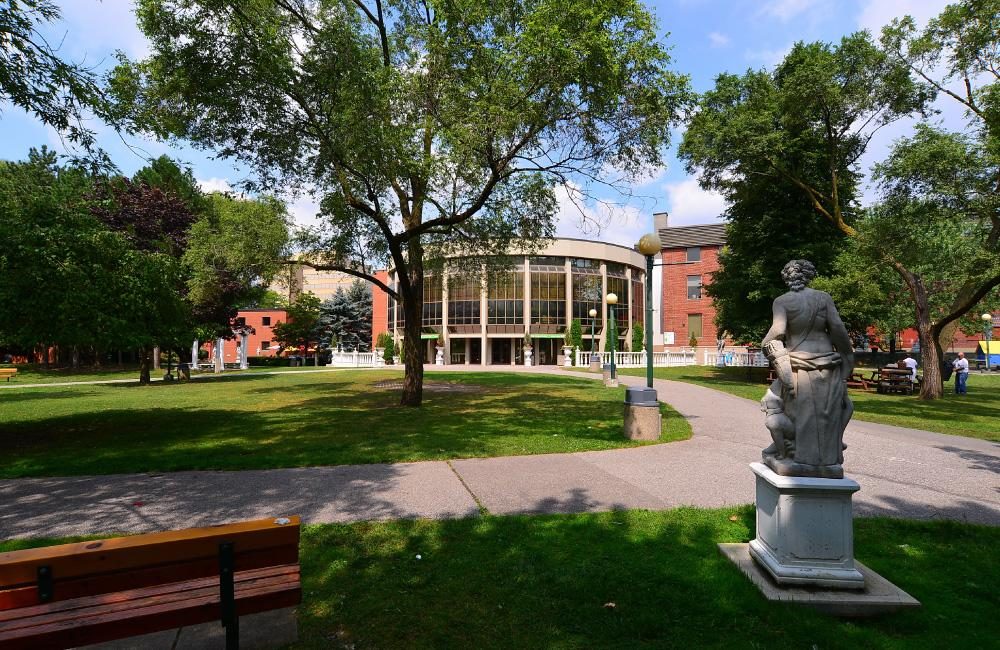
{"x": 976, "y": 415}
{"x": 253, "y": 421}
{"x": 35, "y": 374}
{"x": 627, "y": 579}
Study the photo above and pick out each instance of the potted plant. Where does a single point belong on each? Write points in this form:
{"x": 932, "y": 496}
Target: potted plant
{"x": 527, "y": 348}
{"x": 382, "y": 343}
{"x": 567, "y": 349}
{"x": 439, "y": 350}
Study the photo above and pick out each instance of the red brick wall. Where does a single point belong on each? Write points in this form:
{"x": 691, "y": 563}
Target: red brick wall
{"x": 676, "y": 305}
{"x": 380, "y": 307}
{"x": 255, "y": 319}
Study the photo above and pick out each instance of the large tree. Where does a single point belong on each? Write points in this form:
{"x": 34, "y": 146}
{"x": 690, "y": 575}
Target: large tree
{"x": 421, "y": 124}
{"x": 807, "y": 124}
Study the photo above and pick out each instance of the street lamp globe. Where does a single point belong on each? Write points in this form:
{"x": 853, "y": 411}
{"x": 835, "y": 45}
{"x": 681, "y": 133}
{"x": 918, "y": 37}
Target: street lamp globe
{"x": 987, "y": 317}
{"x": 649, "y": 244}
{"x": 593, "y": 313}
{"x": 612, "y": 299}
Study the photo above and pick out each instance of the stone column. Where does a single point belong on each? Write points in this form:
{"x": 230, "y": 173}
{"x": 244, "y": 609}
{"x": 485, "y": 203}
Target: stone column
{"x": 194, "y": 355}
{"x": 628, "y": 317}
{"x": 569, "y": 295}
{"x": 483, "y": 319}
{"x": 156, "y": 357}
{"x": 468, "y": 351}
{"x": 220, "y": 361}
{"x": 604, "y": 307}
{"x": 244, "y": 361}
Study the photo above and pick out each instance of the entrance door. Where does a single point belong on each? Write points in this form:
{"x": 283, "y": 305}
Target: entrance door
{"x": 500, "y": 351}
{"x": 548, "y": 351}
{"x": 476, "y": 351}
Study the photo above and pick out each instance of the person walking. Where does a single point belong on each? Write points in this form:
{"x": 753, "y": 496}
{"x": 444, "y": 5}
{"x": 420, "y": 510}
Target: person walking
{"x": 961, "y": 366}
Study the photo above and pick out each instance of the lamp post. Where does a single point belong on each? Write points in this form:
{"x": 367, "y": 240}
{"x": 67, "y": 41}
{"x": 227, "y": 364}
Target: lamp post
{"x": 593, "y": 321}
{"x": 987, "y": 337}
{"x": 649, "y": 245}
{"x": 612, "y": 301}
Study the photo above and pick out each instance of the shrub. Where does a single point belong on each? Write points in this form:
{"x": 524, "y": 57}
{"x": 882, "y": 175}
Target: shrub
{"x": 390, "y": 350}
{"x": 267, "y": 362}
{"x": 638, "y": 340}
{"x": 576, "y": 336}
{"x": 693, "y": 341}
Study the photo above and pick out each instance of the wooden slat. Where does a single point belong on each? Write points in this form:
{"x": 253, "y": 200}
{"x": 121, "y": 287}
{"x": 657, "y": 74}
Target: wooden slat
{"x": 151, "y": 618}
{"x": 55, "y": 609}
{"x": 144, "y": 577}
{"x": 18, "y": 568}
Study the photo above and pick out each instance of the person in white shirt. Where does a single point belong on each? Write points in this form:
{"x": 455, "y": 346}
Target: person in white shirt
{"x": 911, "y": 363}
{"x": 961, "y": 366}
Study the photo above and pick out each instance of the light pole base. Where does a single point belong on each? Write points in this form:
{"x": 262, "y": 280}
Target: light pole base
{"x": 643, "y": 420}
{"x": 609, "y": 381}
{"x": 595, "y": 363}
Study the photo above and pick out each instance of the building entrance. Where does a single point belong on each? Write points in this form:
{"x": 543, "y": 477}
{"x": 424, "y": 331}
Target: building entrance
{"x": 547, "y": 351}
{"x": 500, "y": 351}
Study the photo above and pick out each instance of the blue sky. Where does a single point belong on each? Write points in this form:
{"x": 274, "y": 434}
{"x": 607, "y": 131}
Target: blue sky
{"x": 706, "y": 36}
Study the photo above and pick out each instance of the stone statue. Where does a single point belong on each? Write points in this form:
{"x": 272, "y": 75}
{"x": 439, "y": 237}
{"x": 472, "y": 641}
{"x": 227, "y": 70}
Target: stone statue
{"x": 807, "y": 405}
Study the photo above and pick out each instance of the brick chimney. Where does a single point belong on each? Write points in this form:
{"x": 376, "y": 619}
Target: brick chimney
{"x": 659, "y": 221}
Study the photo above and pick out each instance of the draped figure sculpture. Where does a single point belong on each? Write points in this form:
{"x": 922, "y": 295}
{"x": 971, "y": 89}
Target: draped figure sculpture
{"x": 807, "y": 406}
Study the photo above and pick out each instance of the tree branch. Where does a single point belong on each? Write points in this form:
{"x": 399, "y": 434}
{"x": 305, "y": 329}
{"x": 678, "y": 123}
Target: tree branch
{"x": 349, "y": 271}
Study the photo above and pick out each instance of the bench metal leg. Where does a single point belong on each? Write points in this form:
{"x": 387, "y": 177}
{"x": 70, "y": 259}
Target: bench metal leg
{"x": 227, "y": 595}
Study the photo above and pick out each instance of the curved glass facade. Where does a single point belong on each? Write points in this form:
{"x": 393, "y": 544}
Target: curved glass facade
{"x": 541, "y": 296}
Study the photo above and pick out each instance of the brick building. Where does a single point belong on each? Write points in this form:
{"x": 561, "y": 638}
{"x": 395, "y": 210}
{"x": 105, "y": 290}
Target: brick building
{"x": 689, "y": 256}
{"x": 259, "y": 344}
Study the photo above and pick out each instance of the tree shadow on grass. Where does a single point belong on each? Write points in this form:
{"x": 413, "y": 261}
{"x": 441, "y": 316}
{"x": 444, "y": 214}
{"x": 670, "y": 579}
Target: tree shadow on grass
{"x": 40, "y": 394}
{"x": 629, "y": 579}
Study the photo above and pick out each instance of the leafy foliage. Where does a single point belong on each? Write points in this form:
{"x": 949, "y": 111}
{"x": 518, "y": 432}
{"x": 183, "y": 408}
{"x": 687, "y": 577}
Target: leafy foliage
{"x": 437, "y": 124}
{"x": 638, "y": 342}
{"x": 302, "y": 327}
{"x": 346, "y": 318}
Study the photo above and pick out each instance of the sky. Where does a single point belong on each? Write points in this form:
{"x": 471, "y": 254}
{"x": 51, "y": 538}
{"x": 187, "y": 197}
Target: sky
{"x": 706, "y": 37}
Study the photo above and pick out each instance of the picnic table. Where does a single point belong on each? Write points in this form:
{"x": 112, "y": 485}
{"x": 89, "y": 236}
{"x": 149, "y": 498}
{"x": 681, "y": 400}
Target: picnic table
{"x": 894, "y": 380}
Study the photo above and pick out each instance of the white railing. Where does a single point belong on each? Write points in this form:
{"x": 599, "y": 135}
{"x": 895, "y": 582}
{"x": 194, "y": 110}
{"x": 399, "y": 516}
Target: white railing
{"x": 666, "y": 359}
{"x": 355, "y": 360}
{"x": 738, "y": 359}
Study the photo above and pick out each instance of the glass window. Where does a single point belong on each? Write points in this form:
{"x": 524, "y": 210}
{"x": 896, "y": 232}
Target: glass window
{"x": 548, "y": 263}
{"x": 639, "y": 296}
{"x": 265, "y": 345}
{"x": 619, "y": 287}
{"x": 505, "y": 299}
{"x": 463, "y": 301}
{"x": 694, "y": 254}
{"x": 266, "y": 320}
{"x": 548, "y": 298}
{"x": 586, "y": 295}
{"x": 694, "y": 325}
{"x": 432, "y": 300}
{"x": 694, "y": 287}
{"x": 580, "y": 263}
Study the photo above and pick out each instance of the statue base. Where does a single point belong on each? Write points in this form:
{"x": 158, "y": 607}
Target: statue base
{"x": 805, "y": 530}
{"x": 788, "y": 467}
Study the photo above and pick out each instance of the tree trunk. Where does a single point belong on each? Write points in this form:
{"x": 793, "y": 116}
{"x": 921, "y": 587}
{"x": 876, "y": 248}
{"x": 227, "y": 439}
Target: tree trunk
{"x": 156, "y": 357}
{"x": 931, "y": 354}
{"x": 75, "y": 358}
{"x": 121, "y": 362}
{"x": 145, "y": 361}
{"x": 97, "y": 357}
{"x": 413, "y": 313}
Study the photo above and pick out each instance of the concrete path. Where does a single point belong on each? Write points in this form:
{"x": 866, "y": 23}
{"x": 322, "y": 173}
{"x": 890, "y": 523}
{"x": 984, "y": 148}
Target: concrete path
{"x": 902, "y": 472}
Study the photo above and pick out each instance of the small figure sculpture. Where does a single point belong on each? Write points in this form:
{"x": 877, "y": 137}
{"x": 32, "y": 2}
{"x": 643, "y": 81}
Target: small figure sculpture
{"x": 807, "y": 405}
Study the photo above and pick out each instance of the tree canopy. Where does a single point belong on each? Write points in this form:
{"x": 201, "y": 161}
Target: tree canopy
{"x": 418, "y": 124}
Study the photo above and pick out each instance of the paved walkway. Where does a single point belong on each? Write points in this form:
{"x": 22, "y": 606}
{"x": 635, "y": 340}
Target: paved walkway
{"x": 902, "y": 472}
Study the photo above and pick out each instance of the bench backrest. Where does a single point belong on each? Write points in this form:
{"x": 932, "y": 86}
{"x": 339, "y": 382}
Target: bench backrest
{"x": 32, "y": 576}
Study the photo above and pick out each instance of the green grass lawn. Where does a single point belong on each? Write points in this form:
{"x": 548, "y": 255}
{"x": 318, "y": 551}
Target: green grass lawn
{"x": 627, "y": 579}
{"x": 254, "y": 421}
{"x": 35, "y": 374}
{"x": 976, "y": 415}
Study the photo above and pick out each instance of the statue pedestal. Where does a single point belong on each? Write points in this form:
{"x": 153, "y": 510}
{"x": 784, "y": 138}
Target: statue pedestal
{"x": 805, "y": 530}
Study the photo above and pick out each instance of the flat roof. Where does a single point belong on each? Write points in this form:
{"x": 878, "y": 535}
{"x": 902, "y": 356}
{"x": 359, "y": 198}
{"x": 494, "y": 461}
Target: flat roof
{"x": 709, "y": 234}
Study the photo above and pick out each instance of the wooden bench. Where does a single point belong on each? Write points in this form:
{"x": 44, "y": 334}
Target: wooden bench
{"x": 8, "y": 373}
{"x": 89, "y": 592}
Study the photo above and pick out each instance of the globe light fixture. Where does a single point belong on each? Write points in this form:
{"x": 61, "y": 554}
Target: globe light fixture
{"x": 612, "y": 300}
{"x": 593, "y": 321}
{"x": 649, "y": 245}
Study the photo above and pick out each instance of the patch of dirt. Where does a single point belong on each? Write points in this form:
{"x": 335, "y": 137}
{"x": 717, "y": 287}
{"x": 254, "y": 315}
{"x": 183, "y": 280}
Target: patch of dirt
{"x": 431, "y": 386}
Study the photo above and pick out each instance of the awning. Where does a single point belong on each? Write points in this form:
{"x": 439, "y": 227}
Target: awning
{"x": 992, "y": 347}
{"x": 548, "y": 336}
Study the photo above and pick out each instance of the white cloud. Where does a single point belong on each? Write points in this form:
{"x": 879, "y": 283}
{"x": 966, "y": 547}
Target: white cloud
{"x": 769, "y": 57}
{"x": 97, "y": 28}
{"x": 214, "y": 185}
{"x": 689, "y": 204}
{"x": 598, "y": 221}
{"x": 785, "y": 10}
{"x": 718, "y": 39}
{"x": 877, "y": 13}
{"x": 303, "y": 209}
